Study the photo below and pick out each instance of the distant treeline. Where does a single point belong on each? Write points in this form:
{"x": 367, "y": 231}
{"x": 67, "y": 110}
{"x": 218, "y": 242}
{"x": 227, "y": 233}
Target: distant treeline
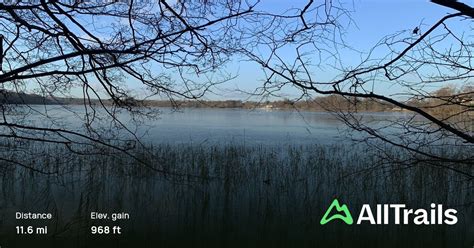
{"x": 445, "y": 100}
{"x": 10, "y": 97}
{"x": 316, "y": 104}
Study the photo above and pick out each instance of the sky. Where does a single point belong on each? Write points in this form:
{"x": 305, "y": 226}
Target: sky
{"x": 372, "y": 20}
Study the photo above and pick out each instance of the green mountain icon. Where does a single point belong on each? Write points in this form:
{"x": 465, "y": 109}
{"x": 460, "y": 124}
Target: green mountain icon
{"x": 346, "y": 216}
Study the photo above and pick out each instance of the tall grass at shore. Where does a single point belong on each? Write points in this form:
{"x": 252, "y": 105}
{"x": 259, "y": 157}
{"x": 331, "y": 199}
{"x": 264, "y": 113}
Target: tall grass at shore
{"x": 232, "y": 192}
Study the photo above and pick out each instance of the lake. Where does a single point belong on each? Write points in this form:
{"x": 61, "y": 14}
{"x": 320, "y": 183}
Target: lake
{"x": 225, "y": 178}
{"x": 202, "y": 126}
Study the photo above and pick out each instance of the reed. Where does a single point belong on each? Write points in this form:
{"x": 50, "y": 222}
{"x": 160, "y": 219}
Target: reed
{"x": 232, "y": 193}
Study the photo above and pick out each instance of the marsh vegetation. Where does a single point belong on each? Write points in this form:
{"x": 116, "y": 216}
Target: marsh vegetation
{"x": 235, "y": 195}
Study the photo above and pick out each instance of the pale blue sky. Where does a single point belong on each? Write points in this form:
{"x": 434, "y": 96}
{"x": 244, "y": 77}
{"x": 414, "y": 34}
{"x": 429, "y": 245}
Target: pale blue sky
{"x": 372, "y": 21}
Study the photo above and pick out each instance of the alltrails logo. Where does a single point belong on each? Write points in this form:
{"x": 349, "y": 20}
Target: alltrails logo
{"x": 391, "y": 213}
{"x": 347, "y": 217}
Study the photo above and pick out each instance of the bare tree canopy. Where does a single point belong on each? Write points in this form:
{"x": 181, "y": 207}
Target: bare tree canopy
{"x": 430, "y": 76}
{"x": 102, "y": 142}
{"x": 107, "y": 50}
{"x": 181, "y": 49}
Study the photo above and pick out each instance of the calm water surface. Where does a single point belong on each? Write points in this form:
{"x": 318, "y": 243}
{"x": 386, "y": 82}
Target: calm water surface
{"x": 215, "y": 126}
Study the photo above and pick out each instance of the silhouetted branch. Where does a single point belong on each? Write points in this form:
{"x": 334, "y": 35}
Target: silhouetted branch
{"x": 454, "y": 4}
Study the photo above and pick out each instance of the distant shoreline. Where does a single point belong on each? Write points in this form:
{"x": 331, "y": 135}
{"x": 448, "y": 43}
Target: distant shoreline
{"x": 318, "y": 104}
